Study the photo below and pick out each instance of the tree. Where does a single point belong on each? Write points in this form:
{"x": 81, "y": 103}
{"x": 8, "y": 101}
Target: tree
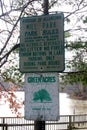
{"x": 11, "y": 13}
{"x": 76, "y": 43}
{"x": 78, "y": 66}
{"x": 8, "y": 95}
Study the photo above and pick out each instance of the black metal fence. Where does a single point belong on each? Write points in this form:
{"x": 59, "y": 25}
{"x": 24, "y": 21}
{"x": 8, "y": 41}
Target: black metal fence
{"x": 66, "y": 122}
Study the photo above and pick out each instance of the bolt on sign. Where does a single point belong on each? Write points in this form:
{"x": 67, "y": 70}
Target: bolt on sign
{"x": 41, "y": 96}
{"x": 42, "y": 43}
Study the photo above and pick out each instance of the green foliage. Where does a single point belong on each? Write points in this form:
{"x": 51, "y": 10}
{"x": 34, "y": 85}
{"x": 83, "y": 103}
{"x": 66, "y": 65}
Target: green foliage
{"x": 85, "y": 20}
{"x": 76, "y": 45}
{"x": 67, "y": 34}
{"x": 77, "y": 76}
{"x": 12, "y": 74}
{"x": 78, "y": 63}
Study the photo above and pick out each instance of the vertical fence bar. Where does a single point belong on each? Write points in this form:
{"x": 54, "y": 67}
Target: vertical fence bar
{"x": 6, "y": 127}
{"x": 3, "y": 121}
{"x": 70, "y": 123}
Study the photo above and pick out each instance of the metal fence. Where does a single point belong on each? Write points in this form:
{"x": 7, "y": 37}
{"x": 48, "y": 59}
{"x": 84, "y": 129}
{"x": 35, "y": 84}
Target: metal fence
{"x": 66, "y": 122}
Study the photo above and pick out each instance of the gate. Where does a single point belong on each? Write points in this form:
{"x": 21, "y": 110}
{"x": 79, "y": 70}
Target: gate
{"x": 66, "y": 122}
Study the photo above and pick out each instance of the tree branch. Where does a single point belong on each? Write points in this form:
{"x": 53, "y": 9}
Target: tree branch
{"x": 5, "y": 57}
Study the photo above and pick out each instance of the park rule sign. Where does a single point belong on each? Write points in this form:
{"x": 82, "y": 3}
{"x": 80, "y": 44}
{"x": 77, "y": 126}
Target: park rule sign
{"x": 42, "y": 43}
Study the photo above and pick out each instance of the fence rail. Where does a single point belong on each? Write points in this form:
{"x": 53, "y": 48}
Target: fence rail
{"x": 66, "y": 122}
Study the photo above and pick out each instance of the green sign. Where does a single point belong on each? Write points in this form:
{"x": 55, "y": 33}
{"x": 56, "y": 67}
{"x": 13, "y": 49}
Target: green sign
{"x": 42, "y": 43}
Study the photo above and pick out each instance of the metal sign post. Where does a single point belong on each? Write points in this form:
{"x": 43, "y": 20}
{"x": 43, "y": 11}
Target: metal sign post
{"x": 40, "y": 125}
{"x": 46, "y": 5}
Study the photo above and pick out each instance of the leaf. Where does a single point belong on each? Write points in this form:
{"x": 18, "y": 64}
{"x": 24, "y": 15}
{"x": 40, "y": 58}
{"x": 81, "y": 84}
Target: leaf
{"x": 85, "y": 20}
